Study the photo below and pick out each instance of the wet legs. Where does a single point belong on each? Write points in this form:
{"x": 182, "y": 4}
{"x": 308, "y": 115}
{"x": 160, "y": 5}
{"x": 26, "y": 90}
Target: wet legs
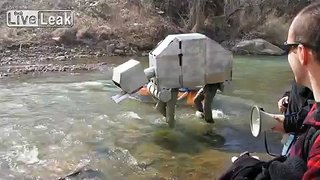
{"x": 206, "y": 94}
{"x": 168, "y": 109}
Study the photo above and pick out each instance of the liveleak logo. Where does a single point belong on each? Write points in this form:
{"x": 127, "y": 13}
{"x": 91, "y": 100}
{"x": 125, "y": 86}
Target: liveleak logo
{"x": 40, "y": 18}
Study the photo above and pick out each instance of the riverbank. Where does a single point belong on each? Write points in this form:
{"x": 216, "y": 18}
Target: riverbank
{"x": 37, "y": 58}
{"x": 101, "y": 29}
{"x": 109, "y": 28}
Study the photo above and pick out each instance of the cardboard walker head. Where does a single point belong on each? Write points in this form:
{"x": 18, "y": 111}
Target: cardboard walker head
{"x": 261, "y": 121}
{"x": 129, "y": 76}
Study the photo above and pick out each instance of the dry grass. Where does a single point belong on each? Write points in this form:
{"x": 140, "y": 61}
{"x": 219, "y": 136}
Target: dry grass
{"x": 126, "y": 20}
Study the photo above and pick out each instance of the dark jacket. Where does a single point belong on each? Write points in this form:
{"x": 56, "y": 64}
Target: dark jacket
{"x": 303, "y": 161}
{"x": 298, "y": 107}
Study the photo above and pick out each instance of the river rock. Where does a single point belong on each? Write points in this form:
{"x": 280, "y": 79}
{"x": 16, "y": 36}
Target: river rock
{"x": 121, "y": 45}
{"x": 84, "y": 173}
{"x": 104, "y": 33}
{"x": 99, "y": 54}
{"x": 65, "y": 35}
{"x": 119, "y": 52}
{"x": 49, "y": 58}
{"x": 258, "y": 47}
{"x": 144, "y": 54}
{"x": 61, "y": 58}
{"x": 60, "y": 53}
{"x": 83, "y": 56}
{"x": 110, "y": 48}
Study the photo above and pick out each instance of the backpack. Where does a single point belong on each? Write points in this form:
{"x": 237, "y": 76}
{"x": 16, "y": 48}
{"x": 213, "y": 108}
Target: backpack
{"x": 310, "y": 138}
{"x": 249, "y": 168}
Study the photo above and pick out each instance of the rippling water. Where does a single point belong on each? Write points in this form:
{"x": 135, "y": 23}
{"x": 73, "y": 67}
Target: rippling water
{"x": 53, "y": 124}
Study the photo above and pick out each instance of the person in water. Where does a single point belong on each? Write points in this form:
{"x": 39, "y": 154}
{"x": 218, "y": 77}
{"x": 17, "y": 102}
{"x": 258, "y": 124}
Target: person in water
{"x": 187, "y": 93}
{"x": 184, "y": 93}
{"x": 203, "y": 101}
{"x": 167, "y": 109}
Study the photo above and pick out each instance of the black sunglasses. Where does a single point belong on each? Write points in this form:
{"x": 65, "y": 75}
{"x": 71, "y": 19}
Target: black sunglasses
{"x": 288, "y": 46}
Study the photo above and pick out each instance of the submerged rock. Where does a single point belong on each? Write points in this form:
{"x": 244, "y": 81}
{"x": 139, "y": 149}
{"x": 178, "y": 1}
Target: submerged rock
{"x": 84, "y": 173}
{"x": 118, "y": 154}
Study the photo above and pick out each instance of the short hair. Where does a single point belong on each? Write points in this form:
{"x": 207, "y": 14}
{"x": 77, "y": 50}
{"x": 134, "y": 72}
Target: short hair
{"x": 306, "y": 28}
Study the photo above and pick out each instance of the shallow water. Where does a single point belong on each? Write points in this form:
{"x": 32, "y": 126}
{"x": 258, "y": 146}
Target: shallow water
{"x": 53, "y": 124}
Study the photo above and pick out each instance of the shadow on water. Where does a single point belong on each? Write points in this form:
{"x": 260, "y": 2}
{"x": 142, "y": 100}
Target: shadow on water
{"x": 183, "y": 140}
{"x": 230, "y": 133}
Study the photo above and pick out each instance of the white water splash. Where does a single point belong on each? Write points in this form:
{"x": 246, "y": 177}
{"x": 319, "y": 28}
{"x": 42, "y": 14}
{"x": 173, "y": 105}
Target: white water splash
{"x": 102, "y": 117}
{"x": 131, "y": 115}
{"x": 28, "y": 155}
{"x": 89, "y": 85}
{"x": 218, "y": 114}
{"x": 41, "y": 127}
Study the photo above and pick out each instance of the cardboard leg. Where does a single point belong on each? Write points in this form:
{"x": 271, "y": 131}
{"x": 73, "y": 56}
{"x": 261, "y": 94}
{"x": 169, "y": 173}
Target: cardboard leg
{"x": 161, "y": 107}
{"x": 198, "y": 100}
{"x": 209, "y": 91}
{"x": 170, "y": 109}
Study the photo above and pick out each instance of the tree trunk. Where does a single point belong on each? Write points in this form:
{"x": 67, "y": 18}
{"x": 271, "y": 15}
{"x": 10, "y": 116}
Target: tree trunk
{"x": 193, "y": 13}
{"x": 199, "y": 15}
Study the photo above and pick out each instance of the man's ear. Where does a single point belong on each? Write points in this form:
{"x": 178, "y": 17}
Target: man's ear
{"x": 303, "y": 55}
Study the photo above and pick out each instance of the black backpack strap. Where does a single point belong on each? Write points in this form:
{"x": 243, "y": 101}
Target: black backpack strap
{"x": 310, "y": 138}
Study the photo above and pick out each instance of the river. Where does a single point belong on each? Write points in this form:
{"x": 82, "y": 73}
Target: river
{"x": 52, "y": 124}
